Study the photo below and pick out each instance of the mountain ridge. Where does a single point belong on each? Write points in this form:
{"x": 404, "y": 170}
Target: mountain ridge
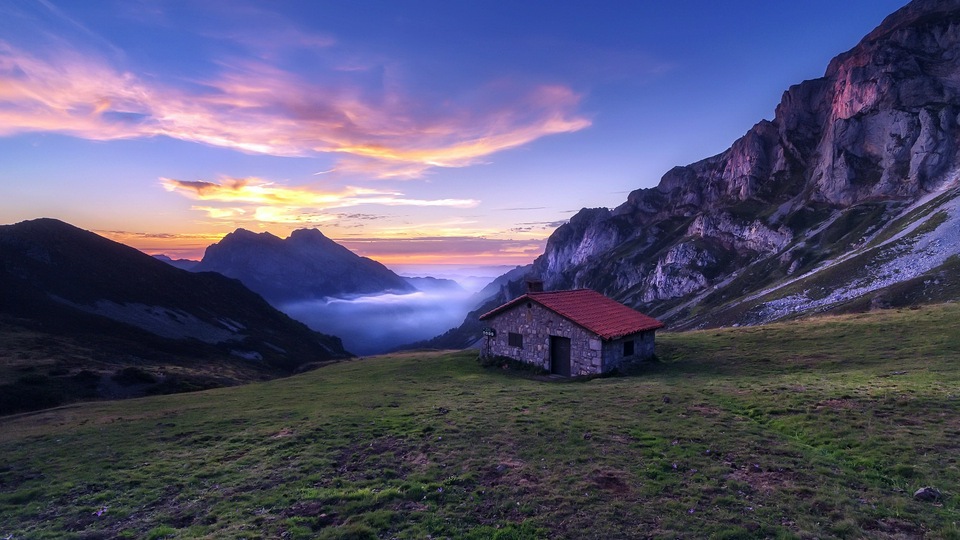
{"x": 306, "y": 265}
{"x": 81, "y": 304}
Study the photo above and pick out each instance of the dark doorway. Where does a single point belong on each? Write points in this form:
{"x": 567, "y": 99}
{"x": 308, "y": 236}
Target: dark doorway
{"x": 560, "y": 355}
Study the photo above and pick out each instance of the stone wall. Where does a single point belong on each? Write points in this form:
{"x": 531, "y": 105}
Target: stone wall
{"x": 588, "y": 353}
{"x": 643, "y": 349}
{"x": 536, "y": 324}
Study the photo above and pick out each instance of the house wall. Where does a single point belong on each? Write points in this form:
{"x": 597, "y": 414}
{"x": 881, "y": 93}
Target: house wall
{"x": 643, "y": 349}
{"x": 536, "y": 324}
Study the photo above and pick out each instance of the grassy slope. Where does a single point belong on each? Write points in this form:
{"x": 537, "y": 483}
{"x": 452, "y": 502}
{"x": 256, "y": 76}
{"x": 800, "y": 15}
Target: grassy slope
{"x": 43, "y": 368}
{"x": 818, "y": 428}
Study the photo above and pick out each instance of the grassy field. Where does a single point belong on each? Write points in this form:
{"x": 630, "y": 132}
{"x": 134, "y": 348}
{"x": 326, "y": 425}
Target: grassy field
{"x": 822, "y": 428}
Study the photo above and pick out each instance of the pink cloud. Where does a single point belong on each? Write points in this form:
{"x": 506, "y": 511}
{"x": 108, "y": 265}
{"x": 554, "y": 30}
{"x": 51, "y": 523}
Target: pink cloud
{"x": 256, "y": 108}
{"x": 258, "y": 200}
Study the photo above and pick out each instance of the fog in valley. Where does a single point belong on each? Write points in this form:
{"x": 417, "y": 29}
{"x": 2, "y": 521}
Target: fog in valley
{"x": 377, "y": 324}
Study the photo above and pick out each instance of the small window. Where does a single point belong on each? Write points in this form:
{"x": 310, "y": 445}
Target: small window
{"x": 628, "y": 348}
{"x": 515, "y": 340}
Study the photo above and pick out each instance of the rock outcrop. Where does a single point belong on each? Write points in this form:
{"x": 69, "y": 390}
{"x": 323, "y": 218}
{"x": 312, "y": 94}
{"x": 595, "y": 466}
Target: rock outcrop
{"x": 843, "y": 154}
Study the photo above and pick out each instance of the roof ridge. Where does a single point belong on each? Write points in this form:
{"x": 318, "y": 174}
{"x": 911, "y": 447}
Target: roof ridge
{"x": 589, "y": 309}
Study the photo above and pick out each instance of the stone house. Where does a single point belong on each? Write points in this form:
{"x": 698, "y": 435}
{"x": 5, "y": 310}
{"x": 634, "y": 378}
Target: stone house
{"x": 577, "y": 332}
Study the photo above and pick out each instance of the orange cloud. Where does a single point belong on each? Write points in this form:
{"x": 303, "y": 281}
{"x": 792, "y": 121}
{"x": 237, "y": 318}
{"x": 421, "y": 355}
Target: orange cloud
{"x": 257, "y": 108}
{"x": 255, "y": 199}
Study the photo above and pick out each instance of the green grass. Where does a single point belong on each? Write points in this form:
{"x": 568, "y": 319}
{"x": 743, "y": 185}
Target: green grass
{"x": 821, "y": 428}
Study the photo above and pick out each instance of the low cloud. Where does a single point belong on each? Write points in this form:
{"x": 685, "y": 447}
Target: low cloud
{"x": 375, "y": 324}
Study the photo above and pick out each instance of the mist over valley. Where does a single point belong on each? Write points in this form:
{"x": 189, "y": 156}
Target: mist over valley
{"x": 379, "y": 323}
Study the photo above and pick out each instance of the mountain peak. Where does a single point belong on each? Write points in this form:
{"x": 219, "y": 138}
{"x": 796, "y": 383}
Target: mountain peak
{"x": 306, "y": 265}
{"x": 58, "y": 274}
{"x": 845, "y": 156}
{"x": 311, "y": 233}
{"x": 245, "y": 234}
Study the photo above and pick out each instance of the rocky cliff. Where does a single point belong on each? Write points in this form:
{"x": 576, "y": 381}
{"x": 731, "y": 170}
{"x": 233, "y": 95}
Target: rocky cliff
{"x": 305, "y": 266}
{"x": 850, "y": 160}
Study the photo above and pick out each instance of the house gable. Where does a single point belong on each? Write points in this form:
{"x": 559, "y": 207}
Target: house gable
{"x": 533, "y": 329}
{"x": 593, "y": 311}
{"x": 536, "y": 325}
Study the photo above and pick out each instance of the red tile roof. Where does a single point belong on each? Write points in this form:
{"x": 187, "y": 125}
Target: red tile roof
{"x": 603, "y": 316}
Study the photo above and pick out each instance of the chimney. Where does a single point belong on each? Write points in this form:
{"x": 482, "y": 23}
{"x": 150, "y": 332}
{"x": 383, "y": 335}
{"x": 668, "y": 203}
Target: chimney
{"x": 534, "y": 285}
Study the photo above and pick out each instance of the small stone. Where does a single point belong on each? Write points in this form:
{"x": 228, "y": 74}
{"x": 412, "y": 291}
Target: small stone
{"x": 928, "y": 494}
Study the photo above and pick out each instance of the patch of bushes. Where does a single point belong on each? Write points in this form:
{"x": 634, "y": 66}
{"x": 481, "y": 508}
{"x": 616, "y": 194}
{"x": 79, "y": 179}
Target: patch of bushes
{"x": 130, "y": 376}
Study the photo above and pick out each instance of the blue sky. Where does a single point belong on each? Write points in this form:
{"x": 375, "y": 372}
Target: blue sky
{"x": 413, "y": 132}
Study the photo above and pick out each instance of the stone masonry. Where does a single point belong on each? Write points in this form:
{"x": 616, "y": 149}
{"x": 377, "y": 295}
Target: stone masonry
{"x": 589, "y": 354}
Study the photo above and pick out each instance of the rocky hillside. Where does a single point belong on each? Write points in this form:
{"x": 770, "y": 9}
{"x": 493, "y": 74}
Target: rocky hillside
{"x": 305, "y": 266}
{"x": 74, "y": 304}
{"x": 847, "y": 197}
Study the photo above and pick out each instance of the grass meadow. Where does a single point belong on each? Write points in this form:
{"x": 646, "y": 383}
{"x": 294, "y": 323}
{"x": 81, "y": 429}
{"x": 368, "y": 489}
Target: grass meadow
{"x": 822, "y": 428}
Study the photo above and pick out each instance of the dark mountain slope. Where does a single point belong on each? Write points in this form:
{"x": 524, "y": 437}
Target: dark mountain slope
{"x": 95, "y": 299}
{"x": 307, "y": 265}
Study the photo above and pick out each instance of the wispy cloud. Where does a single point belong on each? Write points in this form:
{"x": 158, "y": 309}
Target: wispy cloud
{"x": 449, "y": 249}
{"x": 177, "y": 245}
{"x": 255, "y": 107}
{"x": 537, "y": 226}
{"x": 256, "y": 199}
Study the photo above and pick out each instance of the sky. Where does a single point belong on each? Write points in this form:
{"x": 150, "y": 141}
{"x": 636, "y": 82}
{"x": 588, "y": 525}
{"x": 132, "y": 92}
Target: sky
{"x": 412, "y": 132}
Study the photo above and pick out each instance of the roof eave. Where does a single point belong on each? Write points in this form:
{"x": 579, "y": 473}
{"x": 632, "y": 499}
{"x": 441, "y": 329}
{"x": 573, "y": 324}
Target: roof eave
{"x": 613, "y": 337}
{"x": 503, "y": 307}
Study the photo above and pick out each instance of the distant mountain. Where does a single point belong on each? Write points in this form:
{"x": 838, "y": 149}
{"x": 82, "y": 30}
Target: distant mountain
{"x": 75, "y": 304}
{"x": 435, "y": 285}
{"x": 183, "y": 264}
{"x": 305, "y": 266}
{"x": 501, "y": 283}
{"x": 849, "y": 199}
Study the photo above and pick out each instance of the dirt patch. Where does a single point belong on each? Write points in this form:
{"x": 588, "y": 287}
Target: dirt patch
{"x": 285, "y": 432}
{"x": 763, "y": 481}
{"x": 418, "y": 459}
{"x": 611, "y": 481}
{"x": 410, "y": 506}
{"x": 704, "y": 410}
{"x": 305, "y": 509}
{"x": 507, "y": 471}
{"x": 620, "y": 439}
{"x": 836, "y": 404}
{"x": 894, "y": 528}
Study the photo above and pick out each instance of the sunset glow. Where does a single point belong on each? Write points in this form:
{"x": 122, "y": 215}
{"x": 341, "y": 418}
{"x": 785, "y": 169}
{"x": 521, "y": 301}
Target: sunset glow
{"x": 411, "y": 134}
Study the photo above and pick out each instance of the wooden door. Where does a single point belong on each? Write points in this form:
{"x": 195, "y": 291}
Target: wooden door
{"x": 560, "y": 355}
